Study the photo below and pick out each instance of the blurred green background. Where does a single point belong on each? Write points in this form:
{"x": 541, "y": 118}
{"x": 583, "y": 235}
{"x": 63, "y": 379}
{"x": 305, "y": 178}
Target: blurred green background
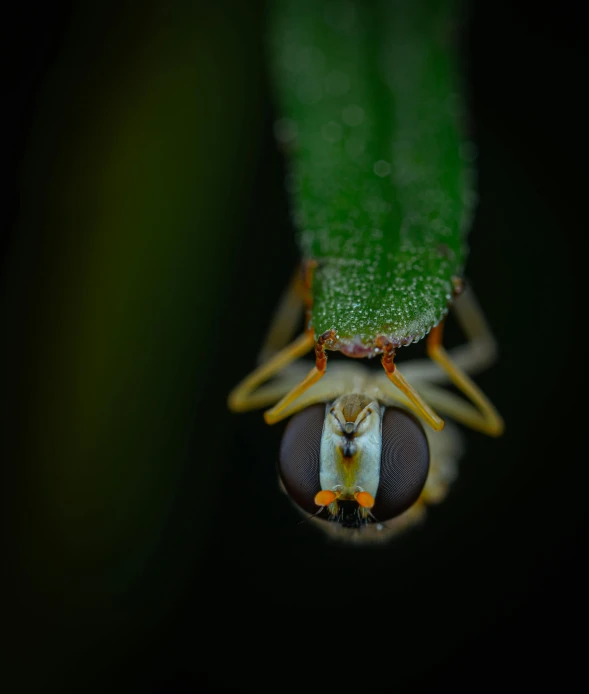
{"x": 148, "y": 239}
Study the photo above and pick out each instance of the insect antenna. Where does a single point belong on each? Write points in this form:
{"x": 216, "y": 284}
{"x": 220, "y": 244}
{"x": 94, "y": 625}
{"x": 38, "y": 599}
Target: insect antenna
{"x": 312, "y": 516}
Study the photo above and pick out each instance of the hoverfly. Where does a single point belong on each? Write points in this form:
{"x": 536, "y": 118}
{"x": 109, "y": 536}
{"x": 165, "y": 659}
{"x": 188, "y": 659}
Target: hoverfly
{"x": 381, "y": 186}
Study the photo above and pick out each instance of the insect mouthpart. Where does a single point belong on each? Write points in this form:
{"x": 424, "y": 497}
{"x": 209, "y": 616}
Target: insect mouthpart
{"x": 349, "y": 515}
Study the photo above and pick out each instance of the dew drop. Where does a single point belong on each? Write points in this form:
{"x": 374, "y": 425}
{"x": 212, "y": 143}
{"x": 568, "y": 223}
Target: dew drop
{"x": 382, "y": 168}
{"x": 337, "y": 83}
{"x": 353, "y": 115}
{"x": 309, "y": 91}
{"x": 331, "y": 131}
{"x": 340, "y": 15}
{"x": 354, "y": 147}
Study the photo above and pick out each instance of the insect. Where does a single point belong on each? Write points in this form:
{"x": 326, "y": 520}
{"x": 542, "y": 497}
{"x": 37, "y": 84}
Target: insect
{"x": 381, "y": 187}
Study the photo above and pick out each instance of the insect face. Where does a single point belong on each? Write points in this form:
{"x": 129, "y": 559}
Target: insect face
{"x": 350, "y": 450}
{"x": 354, "y": 460}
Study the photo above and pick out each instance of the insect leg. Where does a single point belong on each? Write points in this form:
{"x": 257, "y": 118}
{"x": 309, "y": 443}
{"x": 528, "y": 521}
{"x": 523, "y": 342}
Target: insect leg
{"x": 480, "y": 350}
{"x": 341, "y": 378}
{"x": 459, "y": 409}
{"x": 279, "y": 411}
{"x": 478, "y": 353}
{"x": 483, "y": 417}
{"x": 274, "y": 356}
{"x": 288, "y": 313}
{"x": 241, "y": 398}
{"x": 418, "y": 404}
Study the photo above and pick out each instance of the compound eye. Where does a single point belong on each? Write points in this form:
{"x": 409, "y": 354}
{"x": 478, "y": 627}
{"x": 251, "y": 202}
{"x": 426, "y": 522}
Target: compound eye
{"x": 404, "y": 463}
{"x": 300, "y": 453}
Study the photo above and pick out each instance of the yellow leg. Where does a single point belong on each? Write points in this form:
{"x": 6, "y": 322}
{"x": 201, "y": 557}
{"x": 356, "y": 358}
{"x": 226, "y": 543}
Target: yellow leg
{"x": 286, "y": 318}
{"x": 417, "y": 404}
{"x": 478, "y": 353}
{"x": 485, "y": 418}
{"x": 241, "y": 399}
{"x": 343, "y": 376}
{"x": 455, "y": 407}
{"x": 280, "y": 410}
{"x": 420, "y": 407}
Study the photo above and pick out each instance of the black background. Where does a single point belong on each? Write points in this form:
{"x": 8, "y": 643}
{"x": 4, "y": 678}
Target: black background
{"x": 492, "y": 585}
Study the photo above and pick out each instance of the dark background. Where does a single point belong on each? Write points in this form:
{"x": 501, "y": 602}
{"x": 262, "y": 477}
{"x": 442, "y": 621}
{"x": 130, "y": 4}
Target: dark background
{"x": 147, "y": 241}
